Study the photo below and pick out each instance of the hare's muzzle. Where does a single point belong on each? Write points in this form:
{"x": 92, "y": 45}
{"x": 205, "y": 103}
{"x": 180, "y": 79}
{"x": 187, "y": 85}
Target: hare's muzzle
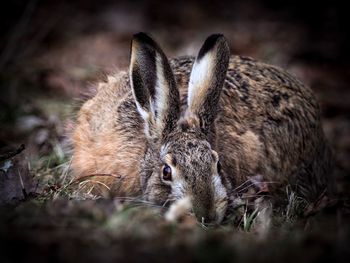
{"x": 179, "y": 208}
{"x": 204, "y": 215}
{"x": 203, "y": 207}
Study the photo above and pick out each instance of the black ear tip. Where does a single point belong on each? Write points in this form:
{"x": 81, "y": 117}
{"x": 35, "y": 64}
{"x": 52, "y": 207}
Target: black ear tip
{"x": 143, "y": 38}
{"x": 215, "y": 36}
{"x": 210, "y": 42}
{"x": 141, "y": 35}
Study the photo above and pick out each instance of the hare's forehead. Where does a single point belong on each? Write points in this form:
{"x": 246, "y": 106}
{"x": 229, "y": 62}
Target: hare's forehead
{"x": 182, "y": 152}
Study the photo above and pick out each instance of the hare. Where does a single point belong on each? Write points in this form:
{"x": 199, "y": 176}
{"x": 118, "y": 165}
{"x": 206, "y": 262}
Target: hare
{"x": 201, "y": 128}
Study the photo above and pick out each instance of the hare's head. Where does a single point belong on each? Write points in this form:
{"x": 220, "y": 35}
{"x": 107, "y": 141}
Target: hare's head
{"x": 180, "y": 160}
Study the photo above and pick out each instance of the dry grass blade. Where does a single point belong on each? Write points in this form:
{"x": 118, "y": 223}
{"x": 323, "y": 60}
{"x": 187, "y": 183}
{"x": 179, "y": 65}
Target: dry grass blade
{"x": 86, "y": 177}
{"x": 82, "y": 181}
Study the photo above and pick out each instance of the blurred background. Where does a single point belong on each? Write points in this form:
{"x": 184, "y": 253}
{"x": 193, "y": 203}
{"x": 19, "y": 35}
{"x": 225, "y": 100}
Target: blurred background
{"x": 52, "y": 53}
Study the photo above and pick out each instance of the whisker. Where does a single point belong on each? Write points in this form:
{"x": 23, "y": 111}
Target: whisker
{"x": 240, "y": 185}
{"x": 256, "y": 195}
{"x": 250, "y": 185}
{"x": 246, "y": 187}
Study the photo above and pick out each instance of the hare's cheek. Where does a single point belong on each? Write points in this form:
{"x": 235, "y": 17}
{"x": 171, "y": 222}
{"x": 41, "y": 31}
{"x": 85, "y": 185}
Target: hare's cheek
{"x": 156, "y": 192}
{"x": 220, "y": 198}
{"x": 178, "y": 190}
{"x": 220, "y": 209}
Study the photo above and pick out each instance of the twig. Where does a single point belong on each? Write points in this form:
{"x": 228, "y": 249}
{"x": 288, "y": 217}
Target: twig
{"x": 11, "y": 154}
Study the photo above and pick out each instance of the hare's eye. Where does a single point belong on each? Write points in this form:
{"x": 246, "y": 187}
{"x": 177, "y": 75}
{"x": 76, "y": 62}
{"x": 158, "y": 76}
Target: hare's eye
{"x": 219, "y": 167}
{"x": 166, "y": 173}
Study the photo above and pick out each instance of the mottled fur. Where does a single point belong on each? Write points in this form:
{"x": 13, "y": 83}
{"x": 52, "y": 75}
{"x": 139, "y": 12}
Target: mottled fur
{"x": 257, "y": 120}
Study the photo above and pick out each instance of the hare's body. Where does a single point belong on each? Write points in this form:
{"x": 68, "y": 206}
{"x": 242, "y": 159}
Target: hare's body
{"x": 268, "y": 124}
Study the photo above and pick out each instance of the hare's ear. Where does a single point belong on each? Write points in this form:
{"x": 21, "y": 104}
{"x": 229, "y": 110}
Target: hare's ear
{"x": 206, "y": 81}
{"x": 153, "y": 86}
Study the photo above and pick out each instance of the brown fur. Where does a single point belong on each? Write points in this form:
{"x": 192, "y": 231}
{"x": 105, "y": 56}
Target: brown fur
{"x": 103, "y": 145}
{"x": 267, "y": 123}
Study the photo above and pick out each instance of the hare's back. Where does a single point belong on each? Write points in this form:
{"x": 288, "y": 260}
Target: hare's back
{"x": 256, "y": 93}
{"x": 108, "y": 138}
{"x": 268, "y": 122}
